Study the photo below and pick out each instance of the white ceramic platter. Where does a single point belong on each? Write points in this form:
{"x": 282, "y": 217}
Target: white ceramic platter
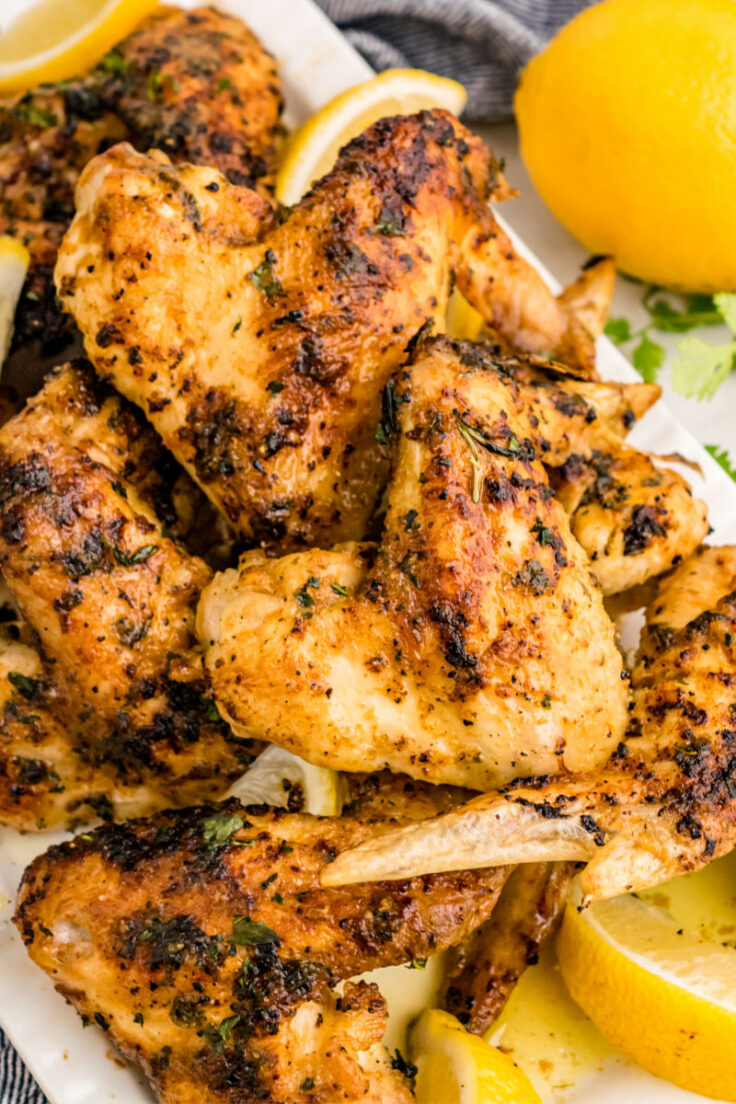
{"x": 78, "y": 1066}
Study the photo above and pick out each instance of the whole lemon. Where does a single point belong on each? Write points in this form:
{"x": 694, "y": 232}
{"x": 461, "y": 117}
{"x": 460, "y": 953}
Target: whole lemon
{"x": 627, "y": 123}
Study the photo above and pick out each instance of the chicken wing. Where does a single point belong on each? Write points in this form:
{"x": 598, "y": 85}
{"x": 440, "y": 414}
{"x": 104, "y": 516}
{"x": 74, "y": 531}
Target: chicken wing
{"x": 109, "y": 712}
{"x": 203, "y": 944}
{"x": 661, "y": 806}
{"x": 634, "y": 518}
{"x": 483, "y": 969}
{"x": 470, "y": 646}
{"x": 196, "y": 84}
{"x": 260, "y": 351}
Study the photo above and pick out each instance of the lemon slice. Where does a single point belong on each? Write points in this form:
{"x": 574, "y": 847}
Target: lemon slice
{"x": 273, "y": 776}
{"x": 463, "y": 321}
{"x": 14, "y": 260}
{"x": 56, "y": 39}
{"x": 455, "y": 1067}
{"x": 314, "y": 147}
{"x": 664, "y": 996}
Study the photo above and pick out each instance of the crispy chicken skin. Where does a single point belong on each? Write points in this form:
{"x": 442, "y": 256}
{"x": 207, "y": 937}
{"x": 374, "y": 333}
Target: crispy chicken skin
{"x": 468, "y": 647}
{"x": 259, "y": 351}
{"x": 661, "y": 806}
{"x": 196, "y": 84}
{"x": 483, "y": 969}
{"x": 108, "y": 710}
{"x": 205, "y": 946}
{"x": 634, "y": 518}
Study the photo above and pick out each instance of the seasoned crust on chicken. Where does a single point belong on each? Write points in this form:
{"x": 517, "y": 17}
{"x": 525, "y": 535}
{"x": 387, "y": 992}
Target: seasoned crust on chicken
{"x": 483, "y": 969}
{"x": 634, "y": 518}
{"x": 111, "y": 713}
{"x": 470, "y": 646}
{"x": 259, "y": 351}
{"x": 661, "y": 806}
{"x": 203, "y": 943}
{"x": 196, "y": 84}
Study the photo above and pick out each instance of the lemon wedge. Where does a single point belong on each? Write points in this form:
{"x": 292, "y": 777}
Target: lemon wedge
{"x": 56, "y": 39}
{"x": 463, "y": 321}
{"x": 455, "y": 1067}
{"x": 14, "y": 261}
{"x": 314, "y": 147}
{"x": 275, "y": 774}
{"x": 664, "y": 996}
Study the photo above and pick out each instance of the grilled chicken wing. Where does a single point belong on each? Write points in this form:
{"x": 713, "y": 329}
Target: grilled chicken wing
{"x": 109, "y": 712}
{"x": 259, "y": 351}
{"x": 470, "y": 646}
{"x": 633, "y": 518}
{"x": 203, "y": 943}
{"x": 196, "y": 84}
{"x": 483, "y": 969}
{"x": 662, "y": 805}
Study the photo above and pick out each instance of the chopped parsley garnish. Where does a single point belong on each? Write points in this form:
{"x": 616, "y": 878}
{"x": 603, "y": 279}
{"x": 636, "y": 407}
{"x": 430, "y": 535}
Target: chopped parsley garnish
{"x": 417, "y": 964}
{"x": 275, "y": 387}
{"x": 410, "y": 520}
{"x": 138, "y": 557}
{"x": 113, "y": 62}
{"x": 307, "y": 1084}
{"x": 237, "y": 326}
{"x": 223, "y": 84}
{"x": 340, "y": 589}
{"x": 264, "y": 278}
{"x": 138, "y": 1018}
{"x": 36, "y": 116}
{"x": 216, "y": 1037}
{"x": 544, "y": 536}
{"x": 252, "y": 933}
{"x": 303, "y": 597}
{"x": 546, "y": 701}
{"x": 217, "y": 830}
{"x": 119, "y": 489}
{"x": 29, "y": 688}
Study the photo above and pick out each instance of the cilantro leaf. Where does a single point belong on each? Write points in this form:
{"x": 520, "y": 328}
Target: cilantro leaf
{"x": 722, "y": 457}
{"x": 700, "y": 369}
{"x": 618, "y": 329}
{"x": 648, "y": 358}
{"x": 725, "y": 303}
{"x": 252, "y": 933}
{"x": 219, "y": 829}
{"x": 700, "y": 311}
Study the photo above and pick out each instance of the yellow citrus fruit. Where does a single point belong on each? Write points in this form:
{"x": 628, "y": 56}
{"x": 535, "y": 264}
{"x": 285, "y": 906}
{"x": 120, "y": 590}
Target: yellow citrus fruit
{"x": 455, "y": 1067}
{"x": 14, "y": 261}
{"x": 627, "y": 123}
{"x": 56, "y": 39}
{"x": 314, "y": 147}
{"x": 664, "y": 996}
{"x": 274, "y": 774}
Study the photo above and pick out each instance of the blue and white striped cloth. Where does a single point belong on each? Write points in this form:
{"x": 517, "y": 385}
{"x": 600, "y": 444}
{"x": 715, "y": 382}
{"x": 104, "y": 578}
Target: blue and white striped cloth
{"x": 483, "y": 44}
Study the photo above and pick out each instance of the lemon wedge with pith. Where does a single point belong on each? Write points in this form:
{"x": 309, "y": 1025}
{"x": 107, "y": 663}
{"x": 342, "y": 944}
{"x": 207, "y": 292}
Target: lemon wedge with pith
{"x": 56, "y": 39}
{"x": 14, "y": 260}
{"x": 314, "y": 147}
{"x": 455, "y": 1067}
{"x": 277, "y": 777}
{"x": 664, "y": 996}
